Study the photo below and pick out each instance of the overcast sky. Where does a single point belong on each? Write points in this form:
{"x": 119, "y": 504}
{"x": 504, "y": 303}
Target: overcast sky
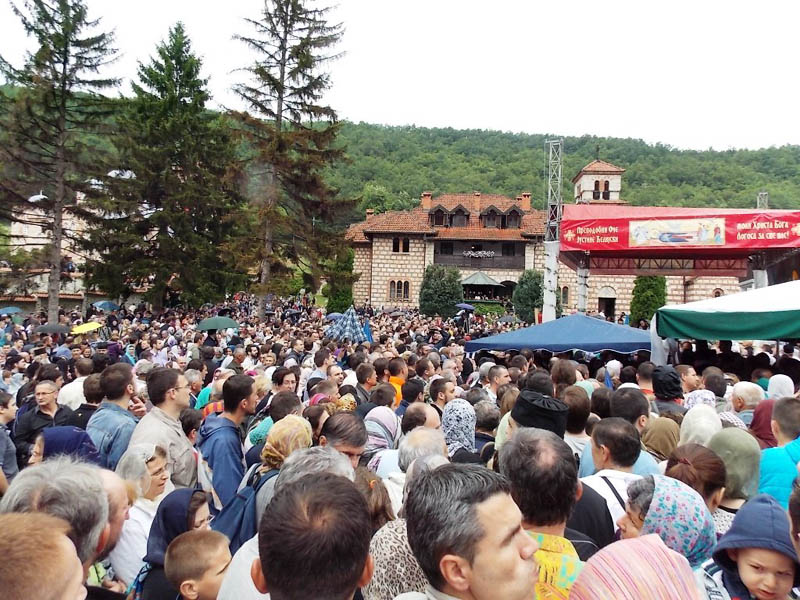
{"x": 692, "y": 74}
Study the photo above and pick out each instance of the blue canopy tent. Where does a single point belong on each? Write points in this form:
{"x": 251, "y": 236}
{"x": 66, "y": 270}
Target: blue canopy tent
{"x": 575, "y": 332}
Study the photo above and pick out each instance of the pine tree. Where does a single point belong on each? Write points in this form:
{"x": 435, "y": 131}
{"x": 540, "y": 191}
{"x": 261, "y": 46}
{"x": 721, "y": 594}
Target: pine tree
{"x": 529, "y": 295}
{"x": 440, "y": 291}
{"x": 48, "y": 113}
{"x": 170, "y": 210}
{"x": 291, "y": 135}
{"x": 649, "y": 294}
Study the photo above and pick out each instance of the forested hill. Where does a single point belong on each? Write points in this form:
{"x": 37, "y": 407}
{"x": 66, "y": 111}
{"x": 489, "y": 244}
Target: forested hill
{"x": 390, "y": 166}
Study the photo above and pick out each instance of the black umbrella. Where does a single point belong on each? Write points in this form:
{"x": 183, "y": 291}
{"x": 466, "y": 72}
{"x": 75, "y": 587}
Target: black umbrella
{"x": 52, "y": 328}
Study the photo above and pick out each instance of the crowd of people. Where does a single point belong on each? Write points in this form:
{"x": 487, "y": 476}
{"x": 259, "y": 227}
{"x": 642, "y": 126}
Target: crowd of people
{"x": 151, "y": 460}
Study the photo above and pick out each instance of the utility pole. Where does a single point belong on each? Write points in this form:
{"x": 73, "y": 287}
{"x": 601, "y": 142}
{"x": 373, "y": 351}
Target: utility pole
{"x": 552, "y": 234}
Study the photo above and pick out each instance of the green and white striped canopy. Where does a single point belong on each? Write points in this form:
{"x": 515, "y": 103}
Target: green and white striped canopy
{"x": 770, "y": 313}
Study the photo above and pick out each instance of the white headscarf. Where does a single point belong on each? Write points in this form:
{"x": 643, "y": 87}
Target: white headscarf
{"x": 780, "y": 386}
{"x": 700, "y": 423}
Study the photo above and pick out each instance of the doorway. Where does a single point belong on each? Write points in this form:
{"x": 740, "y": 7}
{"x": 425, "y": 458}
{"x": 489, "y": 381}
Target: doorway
{"x": 607, "y": 301}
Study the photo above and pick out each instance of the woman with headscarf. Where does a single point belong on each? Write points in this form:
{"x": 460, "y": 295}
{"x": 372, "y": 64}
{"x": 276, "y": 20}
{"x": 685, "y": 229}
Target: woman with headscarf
{"x": 145, "y": 466}
{"x": 699, "y": 425}
{"x": 761, "y": 426}
{"x": 742, "y": 457}
{"x": 672, "y": 510}
{"x": 64, "y": 440}
{"x": 780, "y": 386}
{"x": 661, "y": 437}
{"x": 383, "y": 433}
{"x": 636, "y": 569}
{"x": 287, "y": 435}
{"x": 181, "y": 511}
{"x": 458, "y": 425}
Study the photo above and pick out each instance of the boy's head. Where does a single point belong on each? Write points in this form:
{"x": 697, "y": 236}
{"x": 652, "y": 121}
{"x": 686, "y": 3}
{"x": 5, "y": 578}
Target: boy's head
{"x": 758, "y": 548}
{"x": 8, "y": 408}
{"x": 196, "y": 562}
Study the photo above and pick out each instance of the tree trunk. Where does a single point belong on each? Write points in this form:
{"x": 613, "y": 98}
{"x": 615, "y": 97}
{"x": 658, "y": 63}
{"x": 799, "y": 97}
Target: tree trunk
{"x": 54, "y": 279}
{"x": 266, "y": 270}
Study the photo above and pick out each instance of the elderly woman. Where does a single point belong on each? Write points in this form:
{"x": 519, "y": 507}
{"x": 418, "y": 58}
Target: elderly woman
{"x": 287, "y": 435}
{"x": 636, "y": 569}
{"x": 383, "y": 433}
{"x": 144, "y": 465}
{"x": 672, "y": 510}
{"x": 741, "y": 455}
{"x": 699, "y": 424}
{"x": 458, "y": 425}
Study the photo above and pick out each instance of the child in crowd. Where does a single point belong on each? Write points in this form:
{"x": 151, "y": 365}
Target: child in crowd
{"x": 196, "y": 563}
{"x": 755, "y": 559}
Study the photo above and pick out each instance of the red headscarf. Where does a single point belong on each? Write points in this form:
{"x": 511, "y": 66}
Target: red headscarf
{"x": 760, "y": 427}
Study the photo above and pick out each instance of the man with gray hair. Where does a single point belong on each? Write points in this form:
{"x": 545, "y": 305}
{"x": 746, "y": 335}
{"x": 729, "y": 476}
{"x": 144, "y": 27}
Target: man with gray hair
{"x": 419, "y": 442}
{"x": 744, "y": 399}
{"x": 237, "y": 584}
{"x": 69, "y": 490}
{"x": 466, "y": 533}
{"x": 195, "y": 380}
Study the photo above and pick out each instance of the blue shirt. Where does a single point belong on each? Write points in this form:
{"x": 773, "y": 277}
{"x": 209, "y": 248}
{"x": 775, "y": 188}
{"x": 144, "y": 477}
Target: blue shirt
{"x": 644, "y": 465}
{"x": 110, "y": 428}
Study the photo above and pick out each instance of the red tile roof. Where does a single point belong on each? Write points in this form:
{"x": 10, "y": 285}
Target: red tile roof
{"x": 600, "y": 167}
{"x": 484, "y": 201}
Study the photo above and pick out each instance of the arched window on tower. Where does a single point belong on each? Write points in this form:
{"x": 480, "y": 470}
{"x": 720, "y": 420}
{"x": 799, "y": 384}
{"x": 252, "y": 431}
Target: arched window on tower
{"x": 565, "y": 297}
{"x": 392, "y": 290}
{"x": 405, "y": 244}
{"x": 406, "y": 290}
{"x": 606, "y": 191}
{"x": 396, "y": 244}
{"x": 596, "y": 192}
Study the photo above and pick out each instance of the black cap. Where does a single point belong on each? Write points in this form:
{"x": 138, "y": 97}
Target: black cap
{"x": 537, "y": 410}
{"x": 667, "y": 383}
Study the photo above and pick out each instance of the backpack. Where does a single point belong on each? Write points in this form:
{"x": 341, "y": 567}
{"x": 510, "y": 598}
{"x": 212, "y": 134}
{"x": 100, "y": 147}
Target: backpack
{"x": 238, "y": 519}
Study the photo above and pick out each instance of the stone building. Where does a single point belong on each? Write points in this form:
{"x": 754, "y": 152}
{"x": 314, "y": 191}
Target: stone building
{"x": 497, "y": 237}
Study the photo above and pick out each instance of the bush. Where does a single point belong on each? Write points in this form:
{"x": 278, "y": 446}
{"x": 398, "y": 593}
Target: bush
{"x": 528, "y": 295}
{"x": 649, "y": 294}
{"x": 440, "y": 291}
{"x": 482, "y": 308}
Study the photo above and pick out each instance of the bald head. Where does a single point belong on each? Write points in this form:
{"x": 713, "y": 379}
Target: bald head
{"x": 420, "y": 414}
{"x": 117, "y": 493}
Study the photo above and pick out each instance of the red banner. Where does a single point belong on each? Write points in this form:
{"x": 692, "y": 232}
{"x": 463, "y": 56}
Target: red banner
{"x": 706, "y": 230}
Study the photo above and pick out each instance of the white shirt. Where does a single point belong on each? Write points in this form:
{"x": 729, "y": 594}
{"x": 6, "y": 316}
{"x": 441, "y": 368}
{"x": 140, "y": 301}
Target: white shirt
{"x": 237, "y": 583}
{"x": 620, "y": 481}
{"x": 126, "y": 557}
{"x": 71, "y": 395}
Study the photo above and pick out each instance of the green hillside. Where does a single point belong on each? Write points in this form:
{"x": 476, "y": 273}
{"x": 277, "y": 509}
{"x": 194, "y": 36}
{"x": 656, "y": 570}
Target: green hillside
{"x": 390, "y": 166}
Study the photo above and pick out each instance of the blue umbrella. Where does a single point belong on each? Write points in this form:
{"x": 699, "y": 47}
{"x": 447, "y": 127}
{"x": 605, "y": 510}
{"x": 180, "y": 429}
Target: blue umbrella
{"x": 465, "y": 306}
{"x": 333, "y": 316}
{"x": 10, "y": 310}
{"x": 106, "y": 305}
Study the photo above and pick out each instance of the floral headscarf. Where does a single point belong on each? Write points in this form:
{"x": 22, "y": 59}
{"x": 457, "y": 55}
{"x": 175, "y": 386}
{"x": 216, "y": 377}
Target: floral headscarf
{"x": 697, "y": 397}
{"x": 458, "y": 424}
{"x": 680, "y": 517}
{"x": 287, "y": 435}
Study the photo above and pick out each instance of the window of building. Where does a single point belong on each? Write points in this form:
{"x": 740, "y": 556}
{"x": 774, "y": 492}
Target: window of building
{"x": 460, "y": 219}
{"x": 396, "y": 244}
{"x": 606, "y": 191}
{"x": 438, "y": 218}
{"x": 446, "y": 248}
{"x": 405, "y": 244}
{"x": 564, "y": 297}
{"x": 508, "y": 249}
{"x": 596, "y": 192}
{"x": 512, "y": 220}
{"x": 490, "y": 219}
{"x": 718, "y": 292}
{"x": 392, "y": 290}
{"x": 406, "y": 290}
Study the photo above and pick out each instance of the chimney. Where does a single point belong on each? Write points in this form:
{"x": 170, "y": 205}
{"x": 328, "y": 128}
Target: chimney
{"x": 425, "y": 200}
{"x": 525, "y": 202}
{"x": 370, "y": 212}
{"x": 476, "y": 203}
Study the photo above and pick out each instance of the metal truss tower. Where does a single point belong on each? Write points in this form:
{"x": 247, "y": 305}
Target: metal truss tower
{"x": 762, "y": 202}
{"x": 552, "y": 234}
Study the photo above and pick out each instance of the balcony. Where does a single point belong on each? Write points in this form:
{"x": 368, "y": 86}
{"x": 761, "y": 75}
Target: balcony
{"x": 481, "y": 264}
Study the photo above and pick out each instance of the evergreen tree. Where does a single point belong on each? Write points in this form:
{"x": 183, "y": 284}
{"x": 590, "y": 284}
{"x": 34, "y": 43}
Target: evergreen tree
{"x": 649, "y": 294}
{"x": 440, "y": 291}
{"x": 339, "y": 289}
{"x": 48, "y": 159}
{"x": 170, "y": 211}
{"x": 529, "y": 295}
{"x": 291, "y": 135}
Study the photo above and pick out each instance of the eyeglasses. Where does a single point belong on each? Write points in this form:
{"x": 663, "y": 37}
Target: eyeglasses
{"x": 204, "y": 523}
{"x": 181, "y": 387}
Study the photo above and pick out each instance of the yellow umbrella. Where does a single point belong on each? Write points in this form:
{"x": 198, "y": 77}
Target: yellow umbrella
{"x": 86, "y": 327}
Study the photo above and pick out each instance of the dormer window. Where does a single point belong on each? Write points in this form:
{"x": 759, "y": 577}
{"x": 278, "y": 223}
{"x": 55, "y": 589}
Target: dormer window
{"x": 513, "y": 220}
{"x": 438, "y": 218}
{"x": 460, "y": 218}
{"x": 490, "y": 219}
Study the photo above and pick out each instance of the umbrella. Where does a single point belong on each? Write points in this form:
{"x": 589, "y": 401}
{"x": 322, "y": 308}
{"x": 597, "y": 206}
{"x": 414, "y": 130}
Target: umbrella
{"x": 106, "y": 305}
{"x": 348, "y": 327}
{"x": 10, "y": 310}
{"x": 465, "y": 306}
{"x": 397, "y": 313}
{"x": 507, "y": 319}
{"x": 334, "y": 316}
{"x": 217, "y": 323}
{"x": 87, "y": 327}
{"x": 52, "y": 328}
